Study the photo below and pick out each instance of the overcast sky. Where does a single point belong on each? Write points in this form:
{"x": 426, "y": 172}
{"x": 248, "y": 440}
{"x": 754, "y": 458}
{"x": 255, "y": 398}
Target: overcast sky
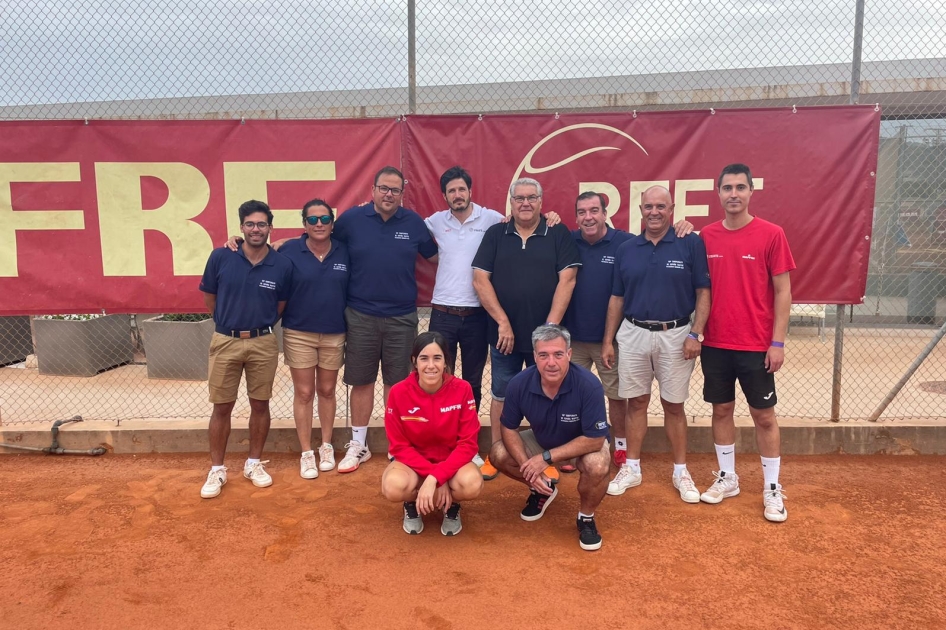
{"x": 88, "y": 50}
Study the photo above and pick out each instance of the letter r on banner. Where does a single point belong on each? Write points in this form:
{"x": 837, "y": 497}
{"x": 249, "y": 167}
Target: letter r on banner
{"x": 11, "y": 221}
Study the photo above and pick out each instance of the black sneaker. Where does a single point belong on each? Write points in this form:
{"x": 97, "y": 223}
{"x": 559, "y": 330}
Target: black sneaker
{"x": 451, "y": 521}
{"x": 588, "y": 536}
{"x": 536, "y": 504}
{"x": 413, "y": 523}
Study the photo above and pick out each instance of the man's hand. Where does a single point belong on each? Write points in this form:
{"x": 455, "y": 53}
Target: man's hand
{"x": 552, "y": 219}
{"x": 533, "y": 469}
{"x": 607, "y": 355}
{"x": 691, "y": 348}
{"x": 233, "y": 243}
{"x": 507, "y": 340}
{"x": 682, "y": 227}
{"x": 442, "y": 498}
{"x": 774, "y": 358}
{"x": 425, "y": 496}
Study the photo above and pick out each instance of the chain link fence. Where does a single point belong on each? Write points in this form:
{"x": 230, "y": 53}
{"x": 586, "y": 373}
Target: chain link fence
{"x": 173, "y": 59}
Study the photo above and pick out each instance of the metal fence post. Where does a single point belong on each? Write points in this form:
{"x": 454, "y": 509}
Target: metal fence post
{"x": 856, "y": 56}
{"x": 838, "y": 355}
{"x": 411, "y": 59}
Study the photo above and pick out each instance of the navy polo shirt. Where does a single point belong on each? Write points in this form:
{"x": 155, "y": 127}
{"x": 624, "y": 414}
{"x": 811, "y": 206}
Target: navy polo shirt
{"x": 659, "y": 282}
{"x": 383, "y": 255}
{"x": 588, "y": 308}
{"x": 248, "y": 295}
{"x": 577, "y": 409}
{"x": 524, "y": 274}
{"x": 319, "y": 288}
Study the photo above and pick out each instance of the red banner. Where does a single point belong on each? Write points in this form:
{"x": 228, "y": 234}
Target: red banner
{"x": 813, "y": 168}
{"x": 121, "y": 216}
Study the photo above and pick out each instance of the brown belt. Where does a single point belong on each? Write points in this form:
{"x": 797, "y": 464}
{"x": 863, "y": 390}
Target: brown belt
{"x": 459, "y": 311}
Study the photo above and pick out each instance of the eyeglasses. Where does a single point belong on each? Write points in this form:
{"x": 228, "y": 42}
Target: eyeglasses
{"x": 325, "y": 219}
{"x": 387, "y": 189}
{"x": 249, "y": 225}
{"x": 530, "y": 199}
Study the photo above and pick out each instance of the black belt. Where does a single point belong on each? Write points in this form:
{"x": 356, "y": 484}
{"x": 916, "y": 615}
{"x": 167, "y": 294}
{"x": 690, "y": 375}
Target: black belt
{"x": 245, "y": 334}
{"x": 459, "y": 311}
{"x": 657, "y": 326}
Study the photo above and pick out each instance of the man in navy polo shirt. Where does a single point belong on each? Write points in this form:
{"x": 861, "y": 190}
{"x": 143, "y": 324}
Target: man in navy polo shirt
{"x": 659, "y": 281}
{"x": 524, "y": 273}
{"x": 246, "y": 292}
{"x": 383, "y": 242}
{"x": 564, "y": 404}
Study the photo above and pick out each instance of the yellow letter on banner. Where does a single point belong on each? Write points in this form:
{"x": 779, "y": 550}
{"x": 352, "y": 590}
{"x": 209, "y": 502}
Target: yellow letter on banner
{"x": 608, "y": 190}
{"x": 683, "y": 210}
{"x": 124, "y": 221}
{"x": 11, "y": 221}
{"x": 247, "y": 180}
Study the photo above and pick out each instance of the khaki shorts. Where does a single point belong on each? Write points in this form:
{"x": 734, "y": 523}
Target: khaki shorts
{"x": 533, "y": 448}
{"x": 587, "y": 354}
{"x": 229, "y": 357}
{"x": 307, "y": 349}
{"x": 646, "y": 355}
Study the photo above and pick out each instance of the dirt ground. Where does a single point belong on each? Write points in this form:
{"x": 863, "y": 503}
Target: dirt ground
{"x": 125, "y": 541}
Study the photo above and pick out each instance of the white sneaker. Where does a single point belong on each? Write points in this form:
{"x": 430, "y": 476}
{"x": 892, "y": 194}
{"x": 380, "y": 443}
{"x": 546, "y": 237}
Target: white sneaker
{"x": 307, "y": 466}
{"x": 772, "y": 500}
{"x": 688, "y": 492}
{"x": 357, "y": 454}
{"x": 326, "y": 457}
{"x": 725, "y": 486}
{"x": 215, "y": 480}
{"x": 258, "y": 475}
{"x": 626, "y": 478}
{"x": 478, "y": 460}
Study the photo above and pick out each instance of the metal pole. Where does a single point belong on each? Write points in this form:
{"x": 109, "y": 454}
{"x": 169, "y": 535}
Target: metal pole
{"x": 411, "y": 60}
{"x": 838, "y": 355}
{"x": 917, "y": 362}
{"x": 856, "y": 56}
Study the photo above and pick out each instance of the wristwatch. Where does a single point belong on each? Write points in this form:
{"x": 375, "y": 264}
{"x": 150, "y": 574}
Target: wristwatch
{"x": 696, "y": 336}
{"x": 547, "y": 457}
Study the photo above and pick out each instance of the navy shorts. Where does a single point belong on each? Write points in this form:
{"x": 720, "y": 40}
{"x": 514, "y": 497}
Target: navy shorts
{"x": 722, "y": 368}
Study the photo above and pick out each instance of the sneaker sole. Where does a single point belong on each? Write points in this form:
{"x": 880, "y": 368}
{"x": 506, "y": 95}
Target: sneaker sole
{"x": 260, "y": 484}
{"x": 413, "y": 533}
{"x": 453, "y": 533}
{"x": 315, "y": 476}
{"x": 622, "y": 490}
{"x": 714, "y": 500}
{"x": 776, "y": 518}
{"x": 593, "y": 547}
{"x": 690, "y": 501}
{"x": 324, "y": 467}
{"x": 357, "y": 464}
{"x": 489, "y": 477}
{"x": 210, "y": 496}
{"x": 544, "y": 507}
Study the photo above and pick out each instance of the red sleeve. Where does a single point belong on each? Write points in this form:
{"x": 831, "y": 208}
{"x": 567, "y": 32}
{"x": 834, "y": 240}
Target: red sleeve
{"x": 398, "y": 444}
{"x": 780, "y": 256}
{"x": 468, "y": 433}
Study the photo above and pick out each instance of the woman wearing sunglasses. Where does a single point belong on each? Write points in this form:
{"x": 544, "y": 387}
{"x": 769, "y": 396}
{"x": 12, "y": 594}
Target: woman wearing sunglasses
{"x": 432, "y": 430}
{"x": 314, "y": 329}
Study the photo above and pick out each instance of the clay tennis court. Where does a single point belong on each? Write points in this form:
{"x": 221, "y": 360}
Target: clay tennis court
{"x": 124, "y": 541}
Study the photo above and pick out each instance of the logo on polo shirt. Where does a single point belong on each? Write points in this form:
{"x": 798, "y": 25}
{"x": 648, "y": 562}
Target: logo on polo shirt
{"x": 340, "y": 267}
{"x": 414, "y": 419}
{"x": 748, "y": 257}
{"x": 569, "y": 417}
{"x": 714, "y": 255}
{"x": 402, "y": 236}
{"x": 267, "y": 284}
{"x": 607, "y": 259}
{"x": 450, "y": 408}
{"x": 675, "y": 264}
{"x": 601, "y": 424}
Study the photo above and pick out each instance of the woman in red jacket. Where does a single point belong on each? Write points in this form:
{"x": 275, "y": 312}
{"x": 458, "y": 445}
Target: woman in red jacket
{"x": 432, "y": 430}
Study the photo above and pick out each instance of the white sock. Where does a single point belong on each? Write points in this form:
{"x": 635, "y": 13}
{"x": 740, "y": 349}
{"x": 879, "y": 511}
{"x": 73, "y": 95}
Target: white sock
{"x": 249, "y": 462}
{"x": 580, "y": 515}
{"x": 726, "y": 456}
{"x": 216, "y": 468}
{"x": 360, "y": 434}
{"x": 635, "y": 465}
{"x": 620, "y": 444}
{"x": 770, "y": 466}
{"x": 304, "y": 453}
{"x": 679, "y": 469}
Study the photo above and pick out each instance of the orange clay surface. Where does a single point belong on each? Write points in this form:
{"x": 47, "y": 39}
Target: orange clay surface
{"x": 126, "y": 542}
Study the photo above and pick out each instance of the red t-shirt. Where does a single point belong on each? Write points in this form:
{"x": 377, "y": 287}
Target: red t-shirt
{"x": 741, "y": 265}
{"x": 432, "y": 434}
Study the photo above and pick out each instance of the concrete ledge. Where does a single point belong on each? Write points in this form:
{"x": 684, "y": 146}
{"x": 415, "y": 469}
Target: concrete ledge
{"x": 799, "y": 437}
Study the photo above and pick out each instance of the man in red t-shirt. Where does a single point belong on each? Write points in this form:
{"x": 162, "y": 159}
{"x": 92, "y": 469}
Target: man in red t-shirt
{"x": 749, "y": 262}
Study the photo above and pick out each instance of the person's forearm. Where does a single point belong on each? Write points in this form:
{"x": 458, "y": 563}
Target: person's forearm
{"x": 783, "y": 306}
{"x": 703, "y": 303}
{"x": 613, "y": 321}
{"x": 210, "y": 301}
{"x": 576, "y": 448}
{"x": 563, "y": 294}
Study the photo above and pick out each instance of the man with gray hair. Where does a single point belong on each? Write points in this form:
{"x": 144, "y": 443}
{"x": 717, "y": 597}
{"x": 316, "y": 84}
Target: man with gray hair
{"x": 564, "y": 404}
{"x": 524, "y": 273}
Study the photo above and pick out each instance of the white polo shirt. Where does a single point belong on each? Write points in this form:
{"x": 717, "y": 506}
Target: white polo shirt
{"x": 457, "y": 243}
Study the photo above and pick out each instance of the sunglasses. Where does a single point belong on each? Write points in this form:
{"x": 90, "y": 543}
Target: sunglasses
{"x": 325, "y": 219}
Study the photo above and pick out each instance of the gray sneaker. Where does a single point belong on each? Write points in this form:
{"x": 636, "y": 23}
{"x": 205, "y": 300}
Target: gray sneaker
{"x": 413, "y": 523}
{"x": 451, "y": 521}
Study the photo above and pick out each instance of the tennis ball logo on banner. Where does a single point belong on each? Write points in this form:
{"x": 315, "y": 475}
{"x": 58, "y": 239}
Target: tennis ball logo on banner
{"x": 608, "y": 189}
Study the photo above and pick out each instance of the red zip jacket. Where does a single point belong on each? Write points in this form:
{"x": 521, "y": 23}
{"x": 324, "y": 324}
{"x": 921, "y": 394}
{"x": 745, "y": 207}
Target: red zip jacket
{"x": 432, "y": 434}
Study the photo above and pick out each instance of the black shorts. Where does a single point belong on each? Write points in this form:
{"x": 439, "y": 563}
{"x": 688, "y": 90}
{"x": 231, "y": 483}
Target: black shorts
{"x": 721, "y": 369}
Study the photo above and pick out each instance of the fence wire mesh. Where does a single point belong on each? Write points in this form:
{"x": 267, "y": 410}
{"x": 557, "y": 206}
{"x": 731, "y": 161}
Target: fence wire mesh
{"x": 74, "y": 59}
